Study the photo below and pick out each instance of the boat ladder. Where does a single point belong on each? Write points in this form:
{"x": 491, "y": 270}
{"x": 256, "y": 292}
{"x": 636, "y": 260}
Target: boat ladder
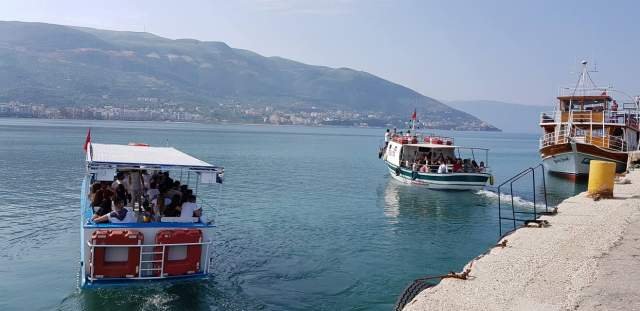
{"x": 148, "y": 263}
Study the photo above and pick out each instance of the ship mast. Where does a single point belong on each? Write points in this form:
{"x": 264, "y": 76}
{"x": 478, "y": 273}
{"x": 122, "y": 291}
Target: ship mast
{"x": 585, "y": 83}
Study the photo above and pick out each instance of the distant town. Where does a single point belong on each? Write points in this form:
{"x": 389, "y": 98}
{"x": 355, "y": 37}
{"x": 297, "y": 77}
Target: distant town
{"x": 223, "y": 113}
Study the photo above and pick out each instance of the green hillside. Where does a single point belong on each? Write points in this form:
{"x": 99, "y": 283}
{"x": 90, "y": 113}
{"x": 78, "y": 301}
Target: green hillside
{"x": 63, "y": 66}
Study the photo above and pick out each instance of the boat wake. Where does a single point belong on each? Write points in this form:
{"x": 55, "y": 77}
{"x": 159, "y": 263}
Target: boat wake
{"x": 506, "y": 198}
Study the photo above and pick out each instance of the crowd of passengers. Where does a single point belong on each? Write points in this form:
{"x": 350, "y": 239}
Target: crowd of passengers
{"x": 440, "y": 164}
{"x": 138, "y": 194}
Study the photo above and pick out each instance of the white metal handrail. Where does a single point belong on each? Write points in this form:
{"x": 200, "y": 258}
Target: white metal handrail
{"x": 570, "y": 91}
{"x": 141, "y": 261}
{"x": 607, "y": 141}
{"x": 629, "y": 118}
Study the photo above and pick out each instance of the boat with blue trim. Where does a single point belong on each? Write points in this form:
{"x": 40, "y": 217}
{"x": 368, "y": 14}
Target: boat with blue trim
{"x": 139, "y": 220}
{"x": 436, "y": 162}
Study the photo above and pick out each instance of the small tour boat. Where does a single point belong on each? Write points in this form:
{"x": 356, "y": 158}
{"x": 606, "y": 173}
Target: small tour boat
{"x": 436, "y": 162}
{"x": 144, "y": 244}
{"x": 588, "y": 124}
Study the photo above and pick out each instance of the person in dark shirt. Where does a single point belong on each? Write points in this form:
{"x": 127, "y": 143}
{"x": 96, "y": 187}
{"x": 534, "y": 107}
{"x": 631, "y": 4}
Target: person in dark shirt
{"x": 173, "y": 210}
{"x": 122, "y": 194}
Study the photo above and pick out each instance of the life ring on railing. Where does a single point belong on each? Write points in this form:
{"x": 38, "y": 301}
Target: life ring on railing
{"x": 397, "y": 171}
{"x": 101, "y": 268}
{"x": 414, "y": 175}
{"x": 190, "y": 264}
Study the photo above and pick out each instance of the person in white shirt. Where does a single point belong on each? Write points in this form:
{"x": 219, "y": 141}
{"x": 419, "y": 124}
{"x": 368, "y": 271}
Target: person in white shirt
{"x": 190, "y": 208}
{"x": 146, "y": 180}
{"x": 119, "y": 215}
{"x": 135, "y": 187}
{"x": 386, "y": 137}
{"x": 153, "y": 191}
{"x": 442, "y": 169}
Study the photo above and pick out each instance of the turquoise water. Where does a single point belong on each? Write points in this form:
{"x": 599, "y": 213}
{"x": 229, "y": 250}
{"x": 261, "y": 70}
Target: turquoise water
{"x": 308, "y": 218}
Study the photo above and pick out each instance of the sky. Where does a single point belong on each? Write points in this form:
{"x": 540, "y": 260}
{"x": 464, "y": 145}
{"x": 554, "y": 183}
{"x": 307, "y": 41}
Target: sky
{"x": 513, "y": 51}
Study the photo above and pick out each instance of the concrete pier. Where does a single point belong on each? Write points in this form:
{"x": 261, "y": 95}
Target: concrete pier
{"x": 588, "y": 258}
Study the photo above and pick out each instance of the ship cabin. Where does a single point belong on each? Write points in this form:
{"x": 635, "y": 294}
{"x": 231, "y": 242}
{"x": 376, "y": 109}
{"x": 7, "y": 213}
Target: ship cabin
{"x": 591, "y": 116}
{"x": 141, "y": 215}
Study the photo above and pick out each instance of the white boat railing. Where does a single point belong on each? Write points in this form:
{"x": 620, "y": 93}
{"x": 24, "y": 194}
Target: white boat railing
{"x": 607, "y": 141}
{"x": 571, "y": 91}
{"x": 152, "y": 264}
{"x": 628, "y": 118}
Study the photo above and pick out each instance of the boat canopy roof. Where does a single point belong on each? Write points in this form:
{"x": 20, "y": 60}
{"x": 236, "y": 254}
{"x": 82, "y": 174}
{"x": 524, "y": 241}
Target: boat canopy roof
{"x": 144, "y": 157}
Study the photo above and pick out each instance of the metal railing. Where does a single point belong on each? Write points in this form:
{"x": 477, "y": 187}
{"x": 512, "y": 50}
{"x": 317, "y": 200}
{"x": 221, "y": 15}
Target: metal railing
{"x": 147, "y": 266}
{"x": 572, "y": 91}
{"x": 553, "y": 138}
{"x": 422, "y": 138}
{"x": 625, "y": 117}
{"x": 607, "y": 141}
{"x": 518, "y": 215}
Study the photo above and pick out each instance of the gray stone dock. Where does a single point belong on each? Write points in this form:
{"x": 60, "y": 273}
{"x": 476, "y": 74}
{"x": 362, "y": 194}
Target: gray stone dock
{"x": 588, "y": 258}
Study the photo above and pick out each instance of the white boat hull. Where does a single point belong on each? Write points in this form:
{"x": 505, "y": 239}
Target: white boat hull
{"x": 451, "y": 181}
{"x": 574, "y": 163}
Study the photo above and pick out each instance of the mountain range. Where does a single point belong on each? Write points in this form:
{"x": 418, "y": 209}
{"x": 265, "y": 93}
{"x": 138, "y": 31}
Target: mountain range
{"x": 509, "y": 117}
{"x": 67, "y": 66}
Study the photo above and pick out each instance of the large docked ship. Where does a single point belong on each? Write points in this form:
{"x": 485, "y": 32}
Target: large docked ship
{"x": 588, "y": 124}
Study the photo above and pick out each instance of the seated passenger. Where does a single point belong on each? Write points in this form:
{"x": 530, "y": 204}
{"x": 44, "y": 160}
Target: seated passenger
{"x": 475, "y": 166}
{"x": 482, "y": 167}
{"x": 102, "y": 209}
{"x": 161, "y": 201}
{"x": 94, "y": 189}
{"x": 414, "y": 166}
{"x": 186, "y": 195}
{"x": 120, "y": 180}
{"x": 457, "y": 167}
{"x": 153, "y": 191}
{"x": 119, "y": 215}
{"x": 122, "y": 194}
{"x": 190, "y": 208}
{"x": 173, "y": 209}
{"x": 424, "y": 168}
{"x": 174, "y": 190}
{"x": 466, "y": 166}
{"x": 442, "y": 169}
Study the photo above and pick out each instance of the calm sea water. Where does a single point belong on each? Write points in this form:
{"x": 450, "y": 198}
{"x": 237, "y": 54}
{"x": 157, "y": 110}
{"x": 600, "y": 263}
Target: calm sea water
{"x": 308, "y": 218}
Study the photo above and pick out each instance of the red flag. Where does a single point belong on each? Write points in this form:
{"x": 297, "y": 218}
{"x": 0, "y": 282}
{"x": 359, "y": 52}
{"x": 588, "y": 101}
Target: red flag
{"x": 87, "y": 141}
{"x": 414, "y": 115}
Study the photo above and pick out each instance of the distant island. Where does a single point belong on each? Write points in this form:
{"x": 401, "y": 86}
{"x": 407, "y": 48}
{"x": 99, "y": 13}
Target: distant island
{"x": 55, "y": 71}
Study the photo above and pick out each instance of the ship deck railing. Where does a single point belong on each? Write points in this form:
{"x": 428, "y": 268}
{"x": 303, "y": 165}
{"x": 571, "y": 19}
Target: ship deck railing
{"x": 147, "y": 266}
{"x": 625, "y": 117}
{"x": 609, "y": 142}
{"x": 590, "y": 91}
{"x": 421, "y": 138}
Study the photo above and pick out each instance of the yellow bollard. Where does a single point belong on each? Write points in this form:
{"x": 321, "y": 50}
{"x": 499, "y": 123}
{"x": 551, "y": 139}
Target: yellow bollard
{"x": 601, "y": 177}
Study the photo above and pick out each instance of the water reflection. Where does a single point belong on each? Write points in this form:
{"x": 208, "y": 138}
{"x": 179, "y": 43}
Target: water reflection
{"x": 402, "y": 202}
